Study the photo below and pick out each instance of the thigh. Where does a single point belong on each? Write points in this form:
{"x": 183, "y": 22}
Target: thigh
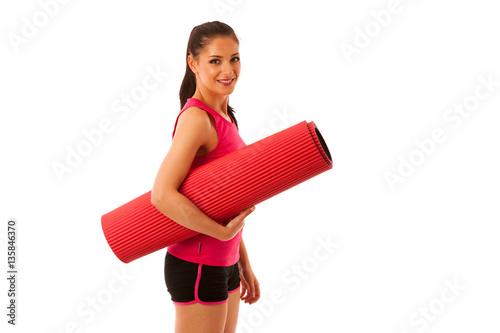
{"x": 233, "y": 309}
{"x": 199, "y": 318}
{"x": 233, "y": 305}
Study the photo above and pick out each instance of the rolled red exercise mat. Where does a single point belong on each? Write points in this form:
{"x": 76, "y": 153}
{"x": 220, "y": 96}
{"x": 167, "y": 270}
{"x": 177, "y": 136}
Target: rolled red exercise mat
{"x": 221, "y": 189}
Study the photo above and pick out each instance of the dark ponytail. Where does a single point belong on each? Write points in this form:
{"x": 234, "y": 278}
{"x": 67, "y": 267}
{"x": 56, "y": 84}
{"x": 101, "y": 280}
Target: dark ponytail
{"x": 200, "y": 36}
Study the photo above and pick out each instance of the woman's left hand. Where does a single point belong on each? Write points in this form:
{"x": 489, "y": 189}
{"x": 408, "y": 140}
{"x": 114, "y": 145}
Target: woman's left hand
{"x": 250, "y": 290}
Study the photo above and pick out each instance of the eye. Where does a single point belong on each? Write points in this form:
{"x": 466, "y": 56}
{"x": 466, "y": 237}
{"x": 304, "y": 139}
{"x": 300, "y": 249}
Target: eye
{"x": 235, "y": 59}
{"x": 214, "y": 61}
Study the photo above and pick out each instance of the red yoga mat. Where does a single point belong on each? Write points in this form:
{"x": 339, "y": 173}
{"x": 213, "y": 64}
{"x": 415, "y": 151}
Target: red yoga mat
{"x": 221, "y": 189}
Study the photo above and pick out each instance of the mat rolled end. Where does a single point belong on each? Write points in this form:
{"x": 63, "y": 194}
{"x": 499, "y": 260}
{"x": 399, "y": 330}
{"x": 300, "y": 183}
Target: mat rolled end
{"x": 320, "y": 143}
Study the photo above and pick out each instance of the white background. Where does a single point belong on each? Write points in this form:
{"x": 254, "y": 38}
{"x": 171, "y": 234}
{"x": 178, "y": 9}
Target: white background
{"x": 397, "y": 247}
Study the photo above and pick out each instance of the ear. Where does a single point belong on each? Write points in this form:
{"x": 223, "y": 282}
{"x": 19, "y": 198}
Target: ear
{"x": 193, "y": 64}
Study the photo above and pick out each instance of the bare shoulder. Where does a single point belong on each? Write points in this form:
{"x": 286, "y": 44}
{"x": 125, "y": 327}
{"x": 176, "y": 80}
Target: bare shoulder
{"x": 193, "y": 122}
{"x": 195, "y": 116}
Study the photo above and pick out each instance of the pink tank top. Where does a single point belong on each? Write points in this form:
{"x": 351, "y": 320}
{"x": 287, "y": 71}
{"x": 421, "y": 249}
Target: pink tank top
{"x": 202, "y": 248}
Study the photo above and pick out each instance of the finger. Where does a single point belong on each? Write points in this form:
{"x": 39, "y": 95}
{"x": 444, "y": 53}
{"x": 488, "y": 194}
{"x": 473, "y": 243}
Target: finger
{"x": 247, "y": 297}
{"x": 257, "y": 291}
{"x": 236, "y": 223}
{"x": 250, "y": 293}
{"x": 243, "y": 291}
{"x": 251, "y": 290}
{"x": 247, "y": 211}
{"x": 254, "y": 294}
{"x": 244, "y": 288}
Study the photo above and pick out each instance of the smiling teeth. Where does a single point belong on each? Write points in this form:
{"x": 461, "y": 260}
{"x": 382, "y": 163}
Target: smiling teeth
{"x": 226, "y": 81}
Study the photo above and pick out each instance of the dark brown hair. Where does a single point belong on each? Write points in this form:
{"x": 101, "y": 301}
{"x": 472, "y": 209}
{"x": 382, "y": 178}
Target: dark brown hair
{"x": 200, "y": 36}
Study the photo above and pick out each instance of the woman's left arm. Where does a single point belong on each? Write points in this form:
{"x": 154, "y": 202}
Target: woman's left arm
{"x": 250, "y": 290}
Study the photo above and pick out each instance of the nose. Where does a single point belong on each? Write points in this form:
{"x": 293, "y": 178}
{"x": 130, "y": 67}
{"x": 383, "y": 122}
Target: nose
{"x": 227, "y": 68}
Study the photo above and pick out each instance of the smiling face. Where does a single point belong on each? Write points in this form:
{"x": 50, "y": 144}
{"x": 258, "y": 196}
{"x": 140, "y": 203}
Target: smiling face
{"x": 218, "y": 66}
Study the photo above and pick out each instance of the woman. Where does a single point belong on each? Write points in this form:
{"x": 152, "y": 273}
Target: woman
{"x": 203, "y": 273}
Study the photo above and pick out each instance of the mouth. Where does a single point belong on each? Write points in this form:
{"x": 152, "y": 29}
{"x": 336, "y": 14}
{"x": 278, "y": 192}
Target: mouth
{"x": 226, "y": 82}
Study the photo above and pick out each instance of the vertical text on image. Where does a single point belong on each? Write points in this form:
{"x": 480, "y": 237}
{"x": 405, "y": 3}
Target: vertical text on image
{"x": 12, "y": 271}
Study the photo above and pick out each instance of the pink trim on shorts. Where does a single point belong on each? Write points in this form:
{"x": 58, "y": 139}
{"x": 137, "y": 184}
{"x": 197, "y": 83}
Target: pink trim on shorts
{"x": 235, "y": 290}
{"x": 197, "y": 300}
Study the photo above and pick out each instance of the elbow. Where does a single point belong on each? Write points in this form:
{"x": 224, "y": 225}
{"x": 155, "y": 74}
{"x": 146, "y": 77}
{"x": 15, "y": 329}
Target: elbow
{"x": 156, "y": 198}
{"x": 159, "y": 198}
{"x": 154, "y": 201}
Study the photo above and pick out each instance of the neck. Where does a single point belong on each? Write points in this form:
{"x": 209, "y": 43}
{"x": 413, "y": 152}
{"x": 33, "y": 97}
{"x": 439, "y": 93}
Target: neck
{"x": 216, "y": 102}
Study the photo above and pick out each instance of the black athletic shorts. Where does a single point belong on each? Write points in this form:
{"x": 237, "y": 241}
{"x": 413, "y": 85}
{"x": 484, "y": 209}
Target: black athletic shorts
{"x": 189, "y": 282}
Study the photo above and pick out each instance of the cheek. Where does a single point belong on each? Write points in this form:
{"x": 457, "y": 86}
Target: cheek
{"x": 236, "y": 69}
{"x": 210, "y": 73}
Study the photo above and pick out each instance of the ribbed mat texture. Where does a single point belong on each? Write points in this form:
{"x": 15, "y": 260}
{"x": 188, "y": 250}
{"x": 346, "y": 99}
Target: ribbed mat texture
{"x": 221, "y": 189}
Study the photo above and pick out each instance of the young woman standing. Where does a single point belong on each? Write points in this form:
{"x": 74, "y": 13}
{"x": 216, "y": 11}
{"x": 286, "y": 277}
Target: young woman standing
{"x": 203, "y": 274}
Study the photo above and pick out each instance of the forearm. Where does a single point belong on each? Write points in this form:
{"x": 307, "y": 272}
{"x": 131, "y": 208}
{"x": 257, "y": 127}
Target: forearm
{"x": 243, "y": 262}
{"x": 181, "y": 210}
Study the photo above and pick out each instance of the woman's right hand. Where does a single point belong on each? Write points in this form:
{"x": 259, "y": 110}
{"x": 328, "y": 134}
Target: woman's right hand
{"x": 235, "y": 225}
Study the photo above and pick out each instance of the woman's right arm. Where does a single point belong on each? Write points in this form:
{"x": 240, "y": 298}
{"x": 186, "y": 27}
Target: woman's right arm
{"x": 192, "y": 132}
